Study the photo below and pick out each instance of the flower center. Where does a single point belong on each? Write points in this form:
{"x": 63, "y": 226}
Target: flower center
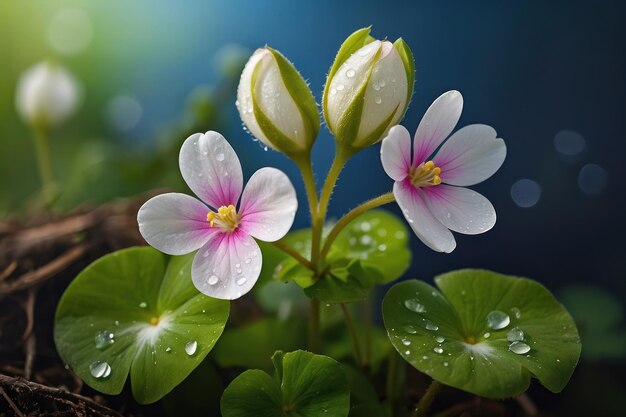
{"x": 425, "y": 175}
{"x": 226, "y": 218}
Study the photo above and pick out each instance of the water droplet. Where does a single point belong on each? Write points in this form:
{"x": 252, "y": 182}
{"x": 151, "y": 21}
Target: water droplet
{"x": 213, "y": 280}
{"x": 430, "y": 325}
{"x": 350, "y": 73}
{"x": 378, "y": 100}
{"x": 382, "y": 83}
{"x": 516, "y": 312}
{"x": 340, "y": 87}
{"x": 104, "y": 339}
{"x": 519, "y": 347}
{"x": 241, "y": 281}
{"x": 375, "y": 86}
{"x": 486, "y": 335}
{"x": 382, "y": 247}
{"x": 438, "y": 349}
{"x": 407, "y": 352}
{"x": 414, "y": 305}
{"x": 143, "y": 304}
{"x": 406, "y": 342}
{"x": 168, "y": 349}
{"x": 190, "y": 347}
{"x": 410, "y": 329}
{"x": 497, "y": 320}
{"x": 515, "y": 335}
{"x": 366, "y": 240}
{"x": 445, "y": 364}
{"x": 100, "y": 369}
{"x": 220, "y": 156}
{"x": 440, "y": 339}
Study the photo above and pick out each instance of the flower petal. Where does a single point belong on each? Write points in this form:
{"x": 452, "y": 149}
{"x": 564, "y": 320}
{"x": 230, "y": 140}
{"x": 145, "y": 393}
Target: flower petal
{"x": 427, "y": 228}
{"x": 438, "y": 122}
{"x": 268, "y": 205}
{"x": 460, "y": 209}
{"x": 395, "y": 153}
{"x": 211, "y": 168}
{"x": 174, "y": 223}
{"x": 471, "y": 155}
{"x": 228, "y": 266}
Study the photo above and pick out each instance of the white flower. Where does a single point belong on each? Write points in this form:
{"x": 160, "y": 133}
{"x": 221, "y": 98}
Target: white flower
{"x": 368, "y": 89}
{"x": 47, "y": 94}
{"x": 276, "y": 104}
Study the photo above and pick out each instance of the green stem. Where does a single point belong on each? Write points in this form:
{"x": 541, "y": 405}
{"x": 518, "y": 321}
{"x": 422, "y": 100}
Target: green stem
{"x": 314, "y": 326}
{"x": 322, "y": 208}
{"x": 294, "y": 254}
{"x": 44, "y": 162}
{"x": 392, "y": 369}
{"x": 427, "y": 399}
{"x": 351, "y": 215}
{"x": 306, "y": 170}
{"x": 368, "y": 331}
{"x": 355, "y": 339}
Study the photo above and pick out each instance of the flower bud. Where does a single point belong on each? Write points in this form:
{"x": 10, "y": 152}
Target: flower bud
{"x": 47, "y": 94}
{"x": 368, "y": 89}
{"x": 276, "y": 105}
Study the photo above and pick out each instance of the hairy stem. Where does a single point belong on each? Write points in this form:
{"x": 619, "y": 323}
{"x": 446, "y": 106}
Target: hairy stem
{"x": 355, "y": 339}
{"x": 351, "y": 215}
{"x": 427, "y": 399}
{"x": 294, "y": 254}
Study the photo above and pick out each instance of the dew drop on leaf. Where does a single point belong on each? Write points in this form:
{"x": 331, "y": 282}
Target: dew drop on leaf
{"x": 438, "y": 349}
{"x": 414, "y": 305}
{"x": 191, "y": 347}
{"x": 519, "y": 347}
{"x": 440, "y": 339}
{"x": 430, "y": 325}
{"x": 515, "y": 335}
{"x": 497, "y": 320}
{"x": 410, "y": 329}
{"x": 143, "y": 304}
{"x": 100, "y": 369}
{"x": 104, "y": 339}
{"x": 516, "y": 312}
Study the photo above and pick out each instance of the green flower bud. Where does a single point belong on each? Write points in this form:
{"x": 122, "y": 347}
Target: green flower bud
{"x": 368, "y": 89}
{"x": 276, "y": 104}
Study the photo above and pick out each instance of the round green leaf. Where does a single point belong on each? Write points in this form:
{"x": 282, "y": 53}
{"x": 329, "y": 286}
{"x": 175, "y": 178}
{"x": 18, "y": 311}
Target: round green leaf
{"x": 305, "y": 385}
{"x": 137, "y": 311}
{"x": 474, "y": 331}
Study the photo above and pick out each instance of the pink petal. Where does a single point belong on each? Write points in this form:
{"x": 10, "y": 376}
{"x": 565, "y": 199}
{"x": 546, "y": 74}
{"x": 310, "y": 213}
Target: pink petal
{"x": 395, "y": 153}
{"x": 436, "y": 125}
{"x": 174, "y": 223}
{"x": 460, "y": 209}
{"x": 228, "y": 266}
{"x": 211, "y": 168}
{"x": 470, "y": 156}
{"x": 427, "y": 228}
{"x": 268, "y": 205}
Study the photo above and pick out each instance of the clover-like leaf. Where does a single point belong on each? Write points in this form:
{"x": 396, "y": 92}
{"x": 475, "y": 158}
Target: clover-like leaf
{"x": 305, "y": 385}
{"x": 137, "y": 311}
{"x": 483, "y": 332}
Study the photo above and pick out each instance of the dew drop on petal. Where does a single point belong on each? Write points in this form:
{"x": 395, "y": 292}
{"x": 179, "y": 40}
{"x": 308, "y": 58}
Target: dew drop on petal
{"x": 220, "y": 156}
{"x": 497, "y": 320}
{"x": 350, "y": 73}
{"x": 100, "y": 369}
{"x": 414, "y": 305}
{"x": 340, "y": 87}
{"x": 378, "y": 100}
{"x": 519, "y": 347}
{"x": 213, "y": 280}
{"x": 515, "y": 335}
{"x": 241, "y": 281}
{"x": 190, "y": 347}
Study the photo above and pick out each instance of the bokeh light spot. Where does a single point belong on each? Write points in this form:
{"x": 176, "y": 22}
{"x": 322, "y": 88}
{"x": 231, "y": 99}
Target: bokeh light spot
{"x": 525, "y": 193}
{"x": 124, "y": 112}
{"x": 70, "y": 31}
{"x": 592, "y": 179}
{"x": 569, "y": 143}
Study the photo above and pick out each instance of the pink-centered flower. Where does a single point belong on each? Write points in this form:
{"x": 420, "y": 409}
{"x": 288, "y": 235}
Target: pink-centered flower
{"x": 430, "y": 180}
{"x": 229, "y": 260}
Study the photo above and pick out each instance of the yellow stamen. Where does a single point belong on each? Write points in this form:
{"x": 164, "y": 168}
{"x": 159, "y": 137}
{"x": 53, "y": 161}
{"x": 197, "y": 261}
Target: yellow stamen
{"x": 226, "y": 218}
{"x": 154, "y": 321}
{"x": 471, "y": 340}
{"x": 425, "y": 175}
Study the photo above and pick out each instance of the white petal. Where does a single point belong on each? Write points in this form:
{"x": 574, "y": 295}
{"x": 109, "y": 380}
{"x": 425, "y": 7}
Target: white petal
{"x": 347, "y": 81}
{"x": 460, "y": 209}
{"x": 174, "y": 223}
{"x": 395, "y": 153}
{"x": 427, "y": 228}
{"x": 438, "y": 122}
{"x": 385, "y": 94}
{"x": 211, "y": 168}
{"x": 471, "y": 155}
{"x": 268, "y": 205}
{"x": 228, "y": 266}
{"x": 244, "y": 96}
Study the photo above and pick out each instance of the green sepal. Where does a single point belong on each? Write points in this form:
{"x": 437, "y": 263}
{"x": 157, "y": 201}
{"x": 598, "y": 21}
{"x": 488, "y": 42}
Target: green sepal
{"x": 300, "y": 93}
{"x": 409, "y": 67}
